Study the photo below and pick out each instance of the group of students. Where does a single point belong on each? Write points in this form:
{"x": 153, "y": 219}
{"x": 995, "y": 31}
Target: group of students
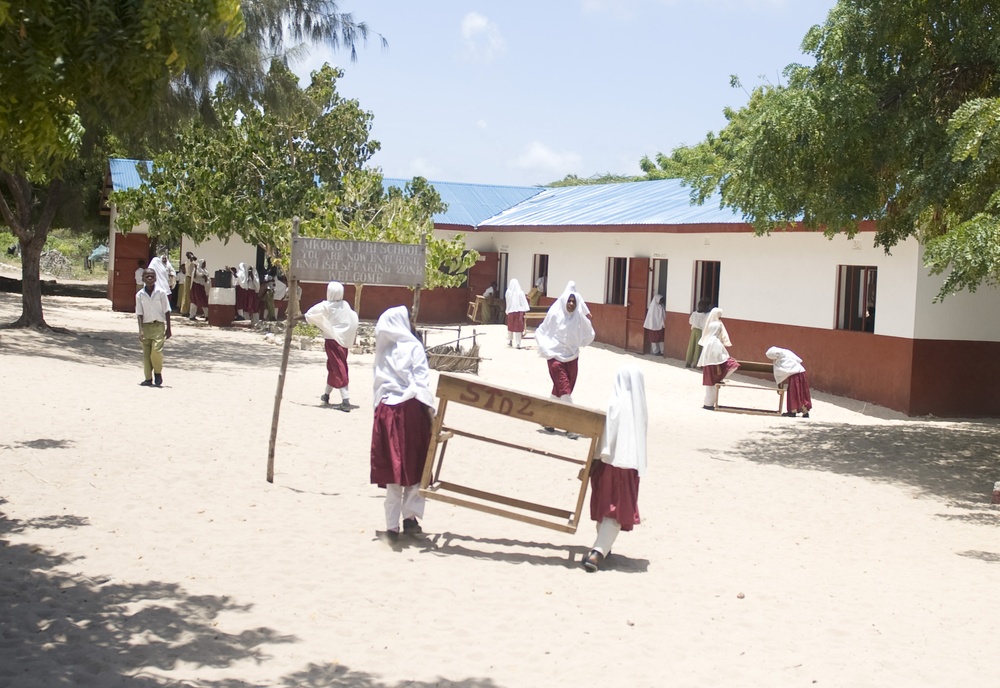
{"x": 404, "y": 408}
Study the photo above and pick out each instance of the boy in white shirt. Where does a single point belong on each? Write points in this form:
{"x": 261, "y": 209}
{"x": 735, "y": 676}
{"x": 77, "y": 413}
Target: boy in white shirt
{"x": 152, "y": 308}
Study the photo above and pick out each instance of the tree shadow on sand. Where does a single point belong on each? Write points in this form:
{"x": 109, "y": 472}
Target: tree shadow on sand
{"x": 339, "y": 676}
{"x": 955, "y": 462}
{"x": 61, "y": 628}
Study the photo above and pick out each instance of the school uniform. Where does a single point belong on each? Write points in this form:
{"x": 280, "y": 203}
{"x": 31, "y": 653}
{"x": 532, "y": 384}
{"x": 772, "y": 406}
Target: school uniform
{"x": 715, "y": 362}
{"x": 653, "y": 325}
{"x": 559, "y": 339}
{"x": 401, "y": 428}
{"x": 153, "y": 310}
{"x": 788, "y": 370}
{"x": 516, "y": 306}
{"x": 339, "y": 325}
{"x": 614, "y": 480}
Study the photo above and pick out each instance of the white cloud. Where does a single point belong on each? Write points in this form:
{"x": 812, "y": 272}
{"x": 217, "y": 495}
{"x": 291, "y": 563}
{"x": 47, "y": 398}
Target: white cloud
{"x": 420, "y": 167}
{"x": 537, "y": 157}
{"x": 482, "y": 38}
{"x": 481, "y": 124}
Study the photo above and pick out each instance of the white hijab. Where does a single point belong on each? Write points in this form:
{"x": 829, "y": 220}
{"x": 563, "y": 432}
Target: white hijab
{"x": 241, "y": 275}
{"x": 623, "y": 443}
{"x": 334, "y": 317}
{"x": 252, "y": 280}
{"x": 655, "y": 314}
{"x": 164, "y": 272}
{"x": 713, "y": 350}
{"x": 401, "y": 370}
{"x": 714, "y": 315}
{"x": 562, "y": 334}
{"x": 786, "y": 363}
{"x": 515, "y": 299}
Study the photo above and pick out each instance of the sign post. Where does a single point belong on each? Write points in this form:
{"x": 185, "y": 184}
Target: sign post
{"x": 351, "y": 262}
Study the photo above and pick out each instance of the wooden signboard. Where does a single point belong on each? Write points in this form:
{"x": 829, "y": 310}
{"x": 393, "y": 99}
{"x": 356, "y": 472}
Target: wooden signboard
{"x": 538, "y": 411}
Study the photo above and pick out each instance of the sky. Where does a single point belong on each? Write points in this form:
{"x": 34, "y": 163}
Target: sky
{"x": 519, "y": 92}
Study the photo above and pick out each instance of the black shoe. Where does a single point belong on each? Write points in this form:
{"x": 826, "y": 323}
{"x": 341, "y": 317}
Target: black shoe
{"x": 548, "y": 429}
{"x": 411, "y": 526}
{"x": 805, "y": 415}
{"x": 344, "y": 406}
{"x": 592, "y": 561}
{"x": 325, "y": 398}
{"x": 708, "y": 408}
{"x": 788, "y": 414}
{"x": 572, "y": 436}
{"x": 391, "y": 536}
{"x": 157, "y": 379}
{"x": 146, "y": 383}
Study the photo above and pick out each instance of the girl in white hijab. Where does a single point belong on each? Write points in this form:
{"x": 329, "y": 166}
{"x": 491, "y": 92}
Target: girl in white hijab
{"x": 252, "y": 296}
{"x": 788, "y": 369}
{"x": 517, "y": 306}
{"x": 565, "y": 330}
{"x": 716, "y": 364}
{"x": 653, "y": 325}
{"x": 614, "y": 480}
{"x": 240, "y": 284}
{"x": 199, "y": 290}
{"x": 401, "y": 430}
{"x": 339, "y": 324}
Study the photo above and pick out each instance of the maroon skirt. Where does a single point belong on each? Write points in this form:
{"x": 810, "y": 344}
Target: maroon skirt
{"x": 714, "y": 374}
{"x": 614, "y": 494}
{"x": 798, "y": 397}
{"x": 653, "y": 336}
{"x": 563, "y": 376}
{"x": 401, "y": 435}
{"x": 199, "y": 296}
{"x": 251, "y": 301}
{"x": 515, "y": 321}
{"x": 336, "y": 364}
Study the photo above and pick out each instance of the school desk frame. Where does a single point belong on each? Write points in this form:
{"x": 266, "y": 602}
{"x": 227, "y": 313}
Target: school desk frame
{"x": 751, "y": 367}
{"x": 585, "y": 422}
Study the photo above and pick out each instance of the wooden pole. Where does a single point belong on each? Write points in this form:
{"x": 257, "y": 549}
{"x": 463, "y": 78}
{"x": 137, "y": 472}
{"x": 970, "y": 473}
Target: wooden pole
{"x": 290, "y": 317}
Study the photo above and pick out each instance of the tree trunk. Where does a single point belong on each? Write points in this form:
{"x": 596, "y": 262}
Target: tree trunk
{"x": 416, "y": 306}
{"x": 31, "y": 284}
{"x": 31, "y": 231}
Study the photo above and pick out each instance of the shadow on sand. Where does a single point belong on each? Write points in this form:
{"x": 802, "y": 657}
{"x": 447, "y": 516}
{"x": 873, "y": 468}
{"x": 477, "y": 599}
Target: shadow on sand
{"x": 954, "y": 462}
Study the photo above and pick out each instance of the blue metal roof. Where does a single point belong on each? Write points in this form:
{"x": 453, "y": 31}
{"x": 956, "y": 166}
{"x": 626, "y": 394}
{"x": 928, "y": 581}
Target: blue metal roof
{"x": 658, "y": 202}
{"x": 123, "y": 173}
{"x": 470, "y": 204}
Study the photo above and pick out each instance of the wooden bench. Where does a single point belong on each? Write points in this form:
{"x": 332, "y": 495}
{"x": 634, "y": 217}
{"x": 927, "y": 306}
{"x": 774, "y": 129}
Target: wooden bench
{"x": 752, "y": 367}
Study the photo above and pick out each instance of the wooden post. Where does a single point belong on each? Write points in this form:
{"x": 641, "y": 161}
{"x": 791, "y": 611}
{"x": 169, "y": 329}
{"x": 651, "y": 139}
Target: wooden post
{"x": 290, "y": 317}
{"x": 416, "y": 293}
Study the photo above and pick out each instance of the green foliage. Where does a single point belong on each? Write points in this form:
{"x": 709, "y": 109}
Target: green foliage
{"x": 262, "y": 166}
{"x": 895, "y": 122}
{"x": 606, "y": 178}
{"x": 304, "y": 329}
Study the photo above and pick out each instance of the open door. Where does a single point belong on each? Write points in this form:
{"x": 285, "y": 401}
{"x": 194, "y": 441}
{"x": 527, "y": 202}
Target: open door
{"x": 130, "y": 250}
{"x": 635, "y": 304}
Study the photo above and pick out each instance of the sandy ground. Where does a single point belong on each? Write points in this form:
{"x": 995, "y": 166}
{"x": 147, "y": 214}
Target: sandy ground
{"x": 142, "y": 546}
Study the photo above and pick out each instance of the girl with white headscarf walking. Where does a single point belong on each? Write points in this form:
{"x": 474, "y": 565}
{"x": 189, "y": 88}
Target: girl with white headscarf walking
{"x": 653, "y": 325}
{"x": 614, "y": 480}
{"x": 788, "y": 369}
{"x": 565, "y": 330}
{"x": 401, "y": 431}
{"x": 339, "y": 324}
{"x": 716, "y": 364}
{"x": 517, "y": 305}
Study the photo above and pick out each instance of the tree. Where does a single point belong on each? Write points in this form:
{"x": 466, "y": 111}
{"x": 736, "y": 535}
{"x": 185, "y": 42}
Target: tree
{"x": 62, "y": 64}
{"x": 263, "y": 165}
{"x": 896, "y": 122}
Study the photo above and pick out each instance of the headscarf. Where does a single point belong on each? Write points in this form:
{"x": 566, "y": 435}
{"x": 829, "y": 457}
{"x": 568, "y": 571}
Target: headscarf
{"x": 515, "y": 299}
{"x": 334, "y": 317}
{"x": 655, "y": 314}
{"x": 401, "y": 370}
{"x": 713, "y": 350}
{"x": 200, "y": 273}
{"x": 164, "y": 272}
{"x": 786, "y": 363}
{"x": 252, "y": 281}
{"x": 241, "y": 275}
{"x": 562, "y": 334}
{"x": 623, "y": 443}
{"x": 714, "y": 315}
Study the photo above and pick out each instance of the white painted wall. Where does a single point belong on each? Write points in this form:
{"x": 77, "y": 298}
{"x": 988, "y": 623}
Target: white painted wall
{"x": 971, "y": 317}
{"x": 220, "y": 254}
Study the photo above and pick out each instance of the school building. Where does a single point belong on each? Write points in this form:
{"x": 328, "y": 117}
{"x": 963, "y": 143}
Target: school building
{"x": 863, "y": 321}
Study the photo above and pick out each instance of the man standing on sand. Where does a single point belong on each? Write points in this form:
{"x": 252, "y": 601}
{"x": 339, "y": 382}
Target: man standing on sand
{"x": 152, "y": 308}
